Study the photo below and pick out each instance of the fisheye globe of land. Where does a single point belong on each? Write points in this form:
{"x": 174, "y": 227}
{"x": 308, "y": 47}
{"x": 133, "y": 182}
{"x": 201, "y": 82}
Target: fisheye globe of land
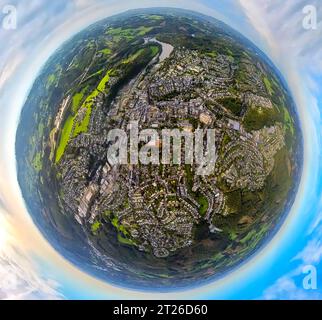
{"x": 158, "y": 225}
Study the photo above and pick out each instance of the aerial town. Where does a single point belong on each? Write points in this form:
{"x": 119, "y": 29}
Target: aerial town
{"x": 155, "y": 207}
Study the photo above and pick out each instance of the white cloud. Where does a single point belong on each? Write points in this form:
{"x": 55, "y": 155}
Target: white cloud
{"x": 286, "y": 288}
{"x": 10, "y": 68}
{"x": 19, "y": 278}
{"x": 312, "y": 254}
{"x": 82, "y": 3}
{"x": 280, "y": 23}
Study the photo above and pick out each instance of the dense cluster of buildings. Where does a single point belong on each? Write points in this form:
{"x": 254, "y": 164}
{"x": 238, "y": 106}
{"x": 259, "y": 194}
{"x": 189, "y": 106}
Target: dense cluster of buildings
{"x": 159, "y": 205}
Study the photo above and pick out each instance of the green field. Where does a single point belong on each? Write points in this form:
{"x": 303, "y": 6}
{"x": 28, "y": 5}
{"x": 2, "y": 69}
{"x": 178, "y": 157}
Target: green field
{"x": 51, "y": 80}
{"x": 64, "y": 138}
{"x": 133, "y": 57}
{"x": 101, "y": 86}
{"x": 203, "y": 202}
{"x": 234, "y": 201}
{"x": 106, "y": 51}
{"x": 95, "y": 227}
{"x": 233, "y": 105}
{"x": 268, "y": 86}
{"x": 288, "y": 121}
{"x": 79, "y": 127}
{"x": 257, "y": 117}
{"x": 128, "y": 33}
{"x": 37, "y": 162}
{"x": 77, "y": 99}
{"x": 126, "y": 241}
{"x": 155, "y": 17}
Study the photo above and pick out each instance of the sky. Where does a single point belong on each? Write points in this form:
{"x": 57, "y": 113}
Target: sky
{"x": 31, "y": 269}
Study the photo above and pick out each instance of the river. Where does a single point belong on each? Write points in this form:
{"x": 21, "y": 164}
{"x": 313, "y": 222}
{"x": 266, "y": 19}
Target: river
{"x": 166, "y": 48}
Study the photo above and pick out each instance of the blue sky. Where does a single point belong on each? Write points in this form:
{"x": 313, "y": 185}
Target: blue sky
{"x": 30, "y": 268}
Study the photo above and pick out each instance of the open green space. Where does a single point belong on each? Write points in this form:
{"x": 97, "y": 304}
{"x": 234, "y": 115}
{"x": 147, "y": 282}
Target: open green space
{"x": 234, "y": 201}
{"x": 37, "y": 162}
{"x": 268, "y": 85}
{"x": 82, "y": 126}
{"x": 101, "y": 86}
{"x": 64, "y": 137}
{"x": 123, "y": 234}
{"x": 51, "y": 80}
{"x": 106, "y": 51}
{"x": 128, "y": 33}
{"x": 77, "y": 99}
{"x": 95, "y": 227}
{"x": 232, "y": 104}
{"x": 155, "y": 17}
{"x": 126, "y": 241}
{"x": 288, "y": 121}
{"x": 133, "y": 57}
{"x": 257, "y": 118}
{"x": 203, "y": 202}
